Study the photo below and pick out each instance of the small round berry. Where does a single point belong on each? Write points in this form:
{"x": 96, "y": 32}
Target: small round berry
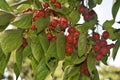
{"x": 68, "y": 44}
{"x": 41, "y": 13}
{"x": 57, "y": 5}
{"x": 76, "y": 45}
{"x": 86, "y": 71}
{"x": 35, "y": 17}
{"x": 75, "y": 41}
{"x": 92, "y": 13}
{"x": 33, "y": 27}
{"x": 98, "y": 57}
{"x": 54, "y": 22}
{"x": 86, "y": 16}
{"x": 53, "y": 38}
{"x": 104, "y": 50}
{"x": 63, "y": 26}
{"x": 49, "y": 35}
{"x": 96, "y": 36}
{"x": 63, "y": 20}
{"x": 53, "y": 1}
{"x": 45, "y": 5}
{"x": 103, "y": 43}
{"x": 97, "y": 41}
{"x": 51, "y": 27}
{"x": 105, "y": 34}
{"x": 25, "y": 43}
{"x": 71, "y": 30}
{"x": 69, "y": 50}
{"x": 48, "y": 11}
{"x": 82, "y": 9}
{"x": 69, "y": 39}
{"x": 76, "y": 34}
{"x": 96, "y": 48}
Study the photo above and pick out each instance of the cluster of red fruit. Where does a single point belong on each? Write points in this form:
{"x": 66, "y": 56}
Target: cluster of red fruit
{"x": 87, "y": 15}
{"x": 83, "y": 68}
{"x": 71, "y": 40}
{"x": 46, "y": 10}
{"x": 61, "y": 22}
{"x": 56, "y": 3}
{"x": 101, "y": 47}
{"x": 43, "y": 12}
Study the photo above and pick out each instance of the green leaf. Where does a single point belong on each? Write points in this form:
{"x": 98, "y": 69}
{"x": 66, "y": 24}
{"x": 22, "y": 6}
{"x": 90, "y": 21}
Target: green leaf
{"x": 71, "y": 72}
{"x": 3, "y": 61}
{"x": 91, "y": 63}
{"x": 4, "y": 6}
{"x": 75, "y": 59}
{"x": 91, "y": 3}
{"x": 60, "y": 44}
{"x": 42, "y": 23}
{"x": 38, "y": 4}
{"x": 97, "y": 1}
{"x": 10, "y": 40}
{"x": 5, "y": 19}
{"x": 16, "y": 70}
{"x": 104, "y": 60}
{"x": 75, "y": 77}
{"x": 108, "y": 23}
{"x": 34, "y": 63}
{"x": 51, "y": 56}
{"x": 115, "y": 8}
{"x": 36, "y": 47}
{"x": 85, "y": 77}
{"x": 16, "y": 4}
{"x": 23, "y": 21}
{"x": 115, "y": 49}
{"x": 63, "y": 1}
{"x": 41, "y": 70}
{"x": 23, "y": 7}
{"x": 44, "y": 42}
{"x": 19, "y": 58}
{"x": 27, "y": 51}
{"x": 87, "y": 25}
{"x": 63, "y": 10}
{"x": 108, "y": 26}
{"x": 82, "y": 45}
{"x": 3, "y": 27}
{"x": 74, "y": 17}
{"x": 96, "y": 77}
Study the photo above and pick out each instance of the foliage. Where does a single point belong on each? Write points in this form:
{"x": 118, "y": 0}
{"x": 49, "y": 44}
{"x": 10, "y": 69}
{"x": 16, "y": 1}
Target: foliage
{"x": 109, "y": 72}
{"x": 47, "y": 32}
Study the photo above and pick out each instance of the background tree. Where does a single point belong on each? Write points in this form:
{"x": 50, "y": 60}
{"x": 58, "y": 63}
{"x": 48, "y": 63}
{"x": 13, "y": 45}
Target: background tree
{"x": 109, "y": 72}
{"x": 47, "y": 32}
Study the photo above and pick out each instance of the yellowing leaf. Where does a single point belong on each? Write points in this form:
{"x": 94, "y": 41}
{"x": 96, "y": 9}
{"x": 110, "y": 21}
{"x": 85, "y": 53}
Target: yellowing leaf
{"x": 3, "y": 61}
{"x": 36, "y": 47}
{"x": 4, "y": 6}
{"x": 10, "y": 40}
{"x": 5, "y": 19}
{"x": 41, "y": 70}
